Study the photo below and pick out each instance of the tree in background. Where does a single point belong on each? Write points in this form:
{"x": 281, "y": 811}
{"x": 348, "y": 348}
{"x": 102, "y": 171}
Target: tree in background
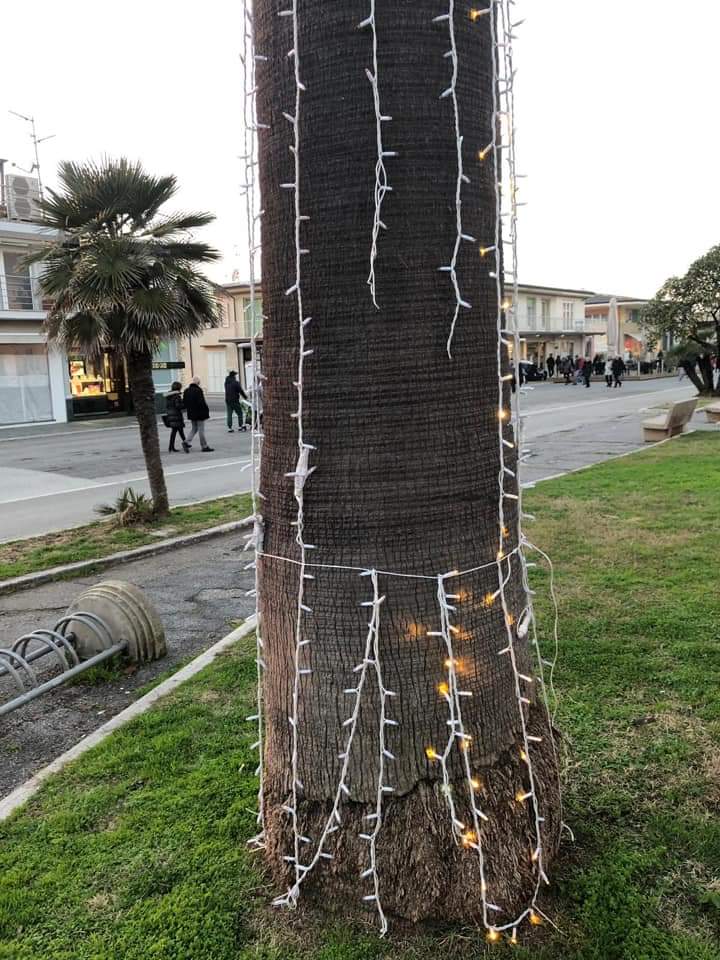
{"x": 123, "y": 277}
{"x": 688, "y": 309}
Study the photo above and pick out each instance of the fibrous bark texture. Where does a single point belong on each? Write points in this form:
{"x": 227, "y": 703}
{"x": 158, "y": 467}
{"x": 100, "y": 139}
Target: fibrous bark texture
{"x": 407, "y": 461}
{"x": 142, "y": 387}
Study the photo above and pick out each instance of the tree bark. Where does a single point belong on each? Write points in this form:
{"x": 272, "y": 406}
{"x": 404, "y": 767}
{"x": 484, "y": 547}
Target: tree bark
{"x": 142, "y": 387}
{"x": 690, "y": 370}
{"x": 407, "y": 462}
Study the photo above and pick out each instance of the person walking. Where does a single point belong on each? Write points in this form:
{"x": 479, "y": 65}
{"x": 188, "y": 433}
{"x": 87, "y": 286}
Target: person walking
{"x": 567, "y": 370}
{"x": 551, "y": 366}
{"x": 197, "y": 413}
{"x": 233, "y": 394}
{"x": 608, "y": 372}
{"x": 587, "y": 372}
{"x": 174, "y": 417}
{"x": 618, "y": 369}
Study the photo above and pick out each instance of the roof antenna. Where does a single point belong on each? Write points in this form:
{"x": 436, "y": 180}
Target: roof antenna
{"x": 36, "y": 141}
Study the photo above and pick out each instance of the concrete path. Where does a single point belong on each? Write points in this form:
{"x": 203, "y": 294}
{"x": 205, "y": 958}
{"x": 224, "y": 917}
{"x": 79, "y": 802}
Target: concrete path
{"x": 200, "y": 593}
{"x": 53, "y": 475}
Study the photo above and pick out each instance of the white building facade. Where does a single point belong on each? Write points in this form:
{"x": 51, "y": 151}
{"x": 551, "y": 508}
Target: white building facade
{"x": 33, "y": 378}
{"x": 552, "y": 321}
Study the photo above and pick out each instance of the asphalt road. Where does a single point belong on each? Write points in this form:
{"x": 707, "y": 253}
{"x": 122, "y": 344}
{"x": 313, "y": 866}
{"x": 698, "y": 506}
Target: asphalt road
{"x": 53, "y": 475}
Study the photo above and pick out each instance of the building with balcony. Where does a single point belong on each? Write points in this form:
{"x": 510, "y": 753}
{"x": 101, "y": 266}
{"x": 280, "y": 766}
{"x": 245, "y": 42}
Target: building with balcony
{"x": 32, "y": 377}
{"x": 552, "y": 321}
{"x": 632, "y": 337}
{"x": 227, "y": 347}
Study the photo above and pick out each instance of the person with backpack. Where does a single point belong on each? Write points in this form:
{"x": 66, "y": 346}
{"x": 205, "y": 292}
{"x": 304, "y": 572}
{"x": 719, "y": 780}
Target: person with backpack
{"x": 233, "y": 394}
{"x": 173, "y": 418}
{"x": 197, "y": 413}
{"x": 608, "y": 372}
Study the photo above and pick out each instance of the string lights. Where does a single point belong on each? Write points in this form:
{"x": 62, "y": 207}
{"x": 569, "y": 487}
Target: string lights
{"x": 248, "y": 59}
{"x": 381, "y": 179}
{"x": 451, "y": 92}
{"x": 520, "y": 631}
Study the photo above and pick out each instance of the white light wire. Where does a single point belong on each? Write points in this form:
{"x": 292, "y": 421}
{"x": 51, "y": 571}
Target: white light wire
{"x": 370, "y": 660}
{"x": 302, "y": 470}
{"x": 381, "y": 179}
{"x": 451, "y": 91}
{"x": 249, "y": 158}
{"x": 503, "y": 106}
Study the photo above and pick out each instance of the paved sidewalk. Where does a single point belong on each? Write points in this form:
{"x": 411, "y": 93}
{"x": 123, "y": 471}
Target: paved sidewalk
{"x": 200, "y": 594}
{"x": 565, "y": 450}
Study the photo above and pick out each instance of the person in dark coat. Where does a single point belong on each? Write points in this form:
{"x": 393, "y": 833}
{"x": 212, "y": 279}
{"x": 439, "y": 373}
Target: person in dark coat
{"x": 551, "y": 366}
{"x": 587, "y": 372}
{"x": 233, "y": 394}
{"x": 174, "y": 417}
{"x": 618, "y": 369}
{"x": 197, "y": 413}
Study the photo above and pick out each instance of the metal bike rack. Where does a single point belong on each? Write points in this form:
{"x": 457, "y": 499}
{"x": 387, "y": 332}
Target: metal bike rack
{"x": 130, "y": 626}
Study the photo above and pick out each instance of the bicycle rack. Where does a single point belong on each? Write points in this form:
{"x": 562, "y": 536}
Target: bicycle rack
{"x": 130, "y": 626}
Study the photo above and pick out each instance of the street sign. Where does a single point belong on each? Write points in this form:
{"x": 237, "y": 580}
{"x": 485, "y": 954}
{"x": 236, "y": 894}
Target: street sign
{"x": 168, "y": 365}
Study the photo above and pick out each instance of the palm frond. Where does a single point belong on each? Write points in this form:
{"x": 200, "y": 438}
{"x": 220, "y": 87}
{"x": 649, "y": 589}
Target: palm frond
{"x": 179, "y": 223}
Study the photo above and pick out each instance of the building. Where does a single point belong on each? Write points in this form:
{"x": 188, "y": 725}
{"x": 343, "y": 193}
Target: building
{"x": 632, "y": 337}
{"x": 32, "y": 377}
{"x": 552, "y": 320}
{"x": 40, "y": 383}
{"x": 228, "y": 346}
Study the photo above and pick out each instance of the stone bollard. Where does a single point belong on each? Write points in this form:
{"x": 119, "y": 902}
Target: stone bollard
{"x": 126, "y": 613}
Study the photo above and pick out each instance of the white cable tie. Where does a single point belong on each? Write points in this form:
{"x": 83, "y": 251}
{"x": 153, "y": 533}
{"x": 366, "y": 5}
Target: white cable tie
{"x": 447, "y": 93}
{"x": 291, "y": 290}
{"x": 365, "y": 836}
{"x": 367, "y": 873}
{"x": 391, "y": 723}
{"x": 327, "y": 856}
{"x": 390, "y": 756}
{"x": 288, "y": 186}
{"x": 292, "y": 722}
{"x": 305, "y": 671}
{"x": 254, "y": 716}
{"x": 285, "y": 13}
{"x": 366, "y": 23}
{"x": 255, "y": 745}
{"x": 443, "y": 16}
{"x": 370, "y": 896}
{"x": 306, "y": 608}
{"x": 351, "y": 690}
{"x": 287, "y": 809}
{"x": 371, "y": 816}
{"x": 388, "y": 789}
{"x": 502, "y": 652}
{"x": 346, "y": 723}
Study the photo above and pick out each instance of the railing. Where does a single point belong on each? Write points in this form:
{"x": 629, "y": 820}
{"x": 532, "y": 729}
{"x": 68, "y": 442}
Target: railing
{"x": 20, "y": 292}
{"x": 554, "y": 325}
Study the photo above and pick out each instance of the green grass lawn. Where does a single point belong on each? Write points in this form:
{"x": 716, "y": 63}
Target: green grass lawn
{"x": 137, "y": 851}
{"x": 100, "y": 539}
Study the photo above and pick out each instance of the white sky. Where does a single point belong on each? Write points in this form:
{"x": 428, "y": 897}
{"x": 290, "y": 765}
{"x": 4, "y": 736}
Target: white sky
{"x": 617, "y": 120}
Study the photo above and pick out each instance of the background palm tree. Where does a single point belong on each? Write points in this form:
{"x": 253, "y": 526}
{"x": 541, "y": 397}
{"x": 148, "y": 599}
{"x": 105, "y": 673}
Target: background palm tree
{"x": 405, "y": 453}
{"x": 123, "y": 277}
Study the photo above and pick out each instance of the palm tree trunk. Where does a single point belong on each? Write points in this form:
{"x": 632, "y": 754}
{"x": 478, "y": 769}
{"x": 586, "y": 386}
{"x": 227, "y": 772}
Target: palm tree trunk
{"x": 142, "y": 387}
{"x": 406, "y": 451}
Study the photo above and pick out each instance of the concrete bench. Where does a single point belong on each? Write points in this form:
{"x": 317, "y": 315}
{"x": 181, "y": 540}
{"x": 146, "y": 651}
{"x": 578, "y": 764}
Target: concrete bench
{"x": 670, "y": 423}
{"x": 713, "y": 413}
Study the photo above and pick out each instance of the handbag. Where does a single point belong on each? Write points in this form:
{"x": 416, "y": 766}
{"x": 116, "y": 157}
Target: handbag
{"x": 166, "y": 420}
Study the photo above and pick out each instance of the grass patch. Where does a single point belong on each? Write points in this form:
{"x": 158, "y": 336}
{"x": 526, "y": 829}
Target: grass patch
{"x": 138, "y": 850}
{"x": 100, "y": 539}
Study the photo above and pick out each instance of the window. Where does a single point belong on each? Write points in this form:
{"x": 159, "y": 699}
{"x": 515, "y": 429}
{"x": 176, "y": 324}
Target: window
{"x": 568, "y": 314}
{"x": 251, "y": 320}
{"x": 531, "y": 313}
{"x": 544, "y": 314}
{"x": 18, "y": 289}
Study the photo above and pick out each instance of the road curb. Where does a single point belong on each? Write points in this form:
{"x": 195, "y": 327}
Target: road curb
{"x": 29, "y": 580}
{"x": 20, "y": 795}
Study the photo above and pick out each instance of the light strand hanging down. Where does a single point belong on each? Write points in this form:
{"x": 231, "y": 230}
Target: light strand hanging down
{"x": 451, "y": 91}
{"x": 249, "y": 159}
{"x": 302, "y": 468}
{"x": 370, "y": 662}
{"x": 381, "y": 179}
